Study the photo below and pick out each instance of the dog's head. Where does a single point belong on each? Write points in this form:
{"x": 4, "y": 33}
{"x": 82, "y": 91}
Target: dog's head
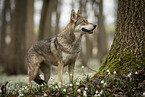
{"x": 81, "y": 24}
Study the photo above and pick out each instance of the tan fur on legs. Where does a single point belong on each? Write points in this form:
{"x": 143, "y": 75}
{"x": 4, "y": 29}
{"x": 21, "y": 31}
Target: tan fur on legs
{"x": 60, "y": 68}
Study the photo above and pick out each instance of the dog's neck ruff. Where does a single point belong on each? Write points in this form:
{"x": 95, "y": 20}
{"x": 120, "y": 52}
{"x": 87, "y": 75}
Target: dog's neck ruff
{"x": 62, "y": 48}
{"x": 68, "y": 41}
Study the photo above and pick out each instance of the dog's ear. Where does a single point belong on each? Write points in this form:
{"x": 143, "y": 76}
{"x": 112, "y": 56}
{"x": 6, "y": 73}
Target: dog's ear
{"x": 73, "y": 15}
{"x": 78, "y": 13}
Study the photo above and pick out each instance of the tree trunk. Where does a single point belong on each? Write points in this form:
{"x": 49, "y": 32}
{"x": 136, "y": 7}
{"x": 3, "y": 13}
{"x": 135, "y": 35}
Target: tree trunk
{"x": 101, "y": 35}
{"x": 58, "y": 12}
{"x": 45, "y": 22}
{"x": 3, "y": 32}
{"x": 43, "y": 19}
{"x": 29, "y": 23}
{"x": 17, "y": 50}
{"x": 86, "y": 49}
{"x": 127, "y": 52}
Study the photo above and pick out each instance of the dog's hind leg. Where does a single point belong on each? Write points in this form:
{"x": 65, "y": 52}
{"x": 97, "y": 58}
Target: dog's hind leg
{"x": 33, "y": 69}
{"x": 38, "y": 79}
{"x": 46, "y": 69}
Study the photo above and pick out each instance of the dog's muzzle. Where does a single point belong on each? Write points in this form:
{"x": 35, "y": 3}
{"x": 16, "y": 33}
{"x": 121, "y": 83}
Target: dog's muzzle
{"x": 89, "y": 31}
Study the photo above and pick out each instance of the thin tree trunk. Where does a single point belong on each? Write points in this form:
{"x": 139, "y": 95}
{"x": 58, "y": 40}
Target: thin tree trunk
{"x": 86, "y": 50}
{"x": 3, "y": 31}
{"x": 43, "y": 19}
{"x": 17, "y": 50}
{"x": 58, "y": 12}
{"x": 29, "y": 23}
{"x": 101, "y": 36}
{"x": 45, "y": 30}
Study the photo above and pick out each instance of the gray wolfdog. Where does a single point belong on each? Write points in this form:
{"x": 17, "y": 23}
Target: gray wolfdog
{"x": 60, "y": 50}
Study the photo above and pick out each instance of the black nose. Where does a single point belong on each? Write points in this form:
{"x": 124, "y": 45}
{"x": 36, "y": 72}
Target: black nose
{"x": 94, "y": 26}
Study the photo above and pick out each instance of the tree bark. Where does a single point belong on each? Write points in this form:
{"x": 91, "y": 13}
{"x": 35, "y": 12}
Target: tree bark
{"x": 86, "y": 49}
{"x": 17, "y": 50}
{"x": 127, "y": 52}
{"x": 3, "y": 32}
{"x": 58, "y": 12}
{"x": 45, "y": 22}
{"x": 29, "y": 23}
{"x": 101, "y": 35}
{"x": 43, "y": 19}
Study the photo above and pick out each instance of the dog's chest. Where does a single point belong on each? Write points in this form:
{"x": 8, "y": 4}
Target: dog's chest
{"x": 68, "y": 58}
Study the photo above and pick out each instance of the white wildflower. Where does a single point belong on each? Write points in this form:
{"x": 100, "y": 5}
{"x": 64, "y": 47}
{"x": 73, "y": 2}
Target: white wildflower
{"x": 108, "y": 71}
{"x": 45, "y": 94}
{"x": 82, "y": 67}
{"x": 101, "y": 91}
{"x": 97, "y": 92}
{"x": 77, "y": 83}
{"x": 70, "y": 84}
{"x": 136, "y": 72}
{"x": 85, "y": 93}
{"x": 143, "y": 93}
{"x": 0, "y": 91}
{"x": 79, "y": 90}
{"x": 56, "y": 87}
{"x": 102, "y": 81}
{"x": 32, "y": 81}
{"x": 60, "y": 83}
{"x": 19, "y": 91}
{"x": 21, "y": 94}
{"x": 66, "y": 72}
{"x": 26, "y": 87}
{"x": 105, "y": 84}
{"x": 129, "y": 75}
{"x": 64, "y": 90}
{"x": 71, "y": 74}
{"x": 13, "y": 92}
{"x": 114, "y": 72}
{"x": 90, "y": 74}
{"x": 86, "y": 88}
{"x": 22, "y": 89}
{"x": 97, "y": 95}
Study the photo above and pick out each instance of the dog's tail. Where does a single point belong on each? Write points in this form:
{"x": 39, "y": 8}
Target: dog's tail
{"x": 3, "y": 89}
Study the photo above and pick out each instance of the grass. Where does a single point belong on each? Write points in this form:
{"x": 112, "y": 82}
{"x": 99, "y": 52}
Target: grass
{"x": 110, "y": 85}
{"x": 78, "y": 73}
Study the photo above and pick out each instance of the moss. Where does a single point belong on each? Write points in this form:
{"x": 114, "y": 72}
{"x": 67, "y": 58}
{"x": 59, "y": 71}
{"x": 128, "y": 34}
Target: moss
{"x": 124, "y": 62}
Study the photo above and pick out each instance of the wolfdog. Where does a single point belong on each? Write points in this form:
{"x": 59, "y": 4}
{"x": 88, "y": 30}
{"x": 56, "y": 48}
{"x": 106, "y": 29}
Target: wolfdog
{"x": 60, "y": 50}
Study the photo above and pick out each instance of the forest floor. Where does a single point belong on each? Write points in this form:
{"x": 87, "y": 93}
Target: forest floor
{"x": 79, "y": 73}
{"x": 84, "y": 85}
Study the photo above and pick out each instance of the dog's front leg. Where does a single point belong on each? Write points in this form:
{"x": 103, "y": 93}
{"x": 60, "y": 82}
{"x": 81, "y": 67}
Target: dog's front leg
{"x": 60, "y": 68}
{"x": 71, "y": 72}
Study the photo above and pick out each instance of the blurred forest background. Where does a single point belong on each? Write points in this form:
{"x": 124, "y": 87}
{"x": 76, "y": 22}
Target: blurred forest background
{"x": 23, "y": 22}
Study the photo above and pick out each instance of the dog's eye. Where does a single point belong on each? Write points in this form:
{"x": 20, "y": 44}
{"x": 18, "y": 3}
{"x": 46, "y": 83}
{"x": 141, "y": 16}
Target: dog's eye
{"x": 84, "y": 20}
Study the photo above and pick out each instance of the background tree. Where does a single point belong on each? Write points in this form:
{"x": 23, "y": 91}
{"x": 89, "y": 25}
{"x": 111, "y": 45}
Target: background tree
{"x": 18, "y": 43}
{"x": 127, "y": 52}
{"x": 3, "y": 32}
{"x": 101, "y": 37}
{"x": 29, "y": 23}
{"x": 45, "y": 29}
{"x": 16, "y": 33}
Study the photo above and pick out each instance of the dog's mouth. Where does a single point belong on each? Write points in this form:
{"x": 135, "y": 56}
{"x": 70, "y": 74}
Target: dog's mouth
{"x": 88, "y": 31}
